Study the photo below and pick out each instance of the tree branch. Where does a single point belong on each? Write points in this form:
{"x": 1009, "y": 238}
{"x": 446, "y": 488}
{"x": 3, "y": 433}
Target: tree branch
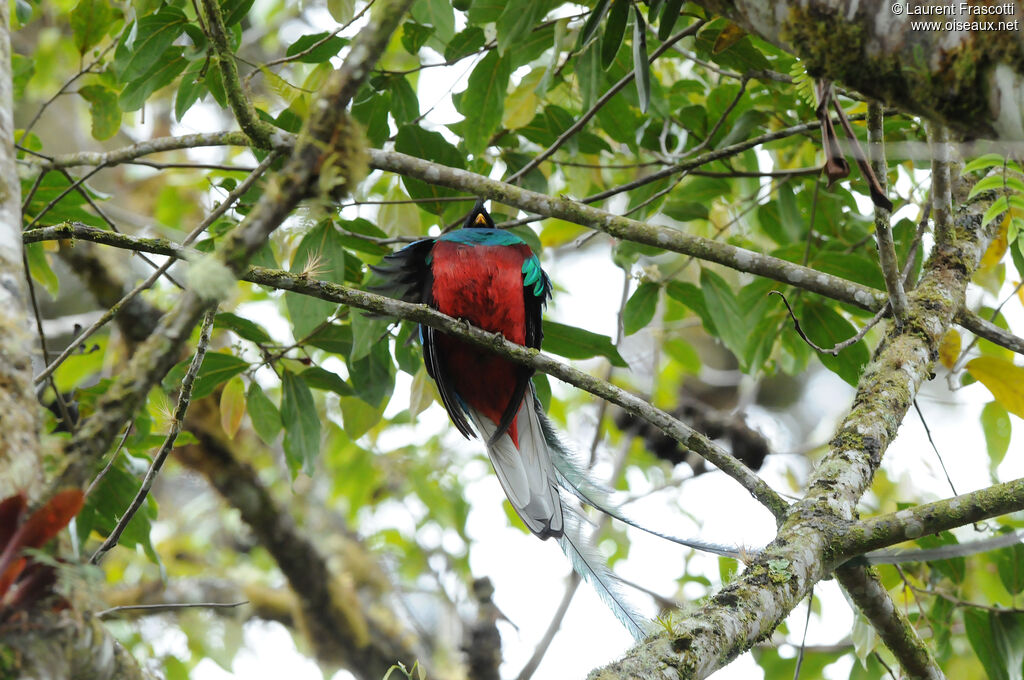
{"x": 341, "y": 627}
{"x": 805, "y": 549}
{"x": 975, "y": 88}
{"x": 20, "y": 455}
{"x": 930, "y": 518}
{"x": 883, "y": 232}
{"x": 898, "y": 634}
{"x": 259, "y": 131}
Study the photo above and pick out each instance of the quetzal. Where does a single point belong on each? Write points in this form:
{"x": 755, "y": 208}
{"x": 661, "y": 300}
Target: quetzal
{"x": 490, "y": 278}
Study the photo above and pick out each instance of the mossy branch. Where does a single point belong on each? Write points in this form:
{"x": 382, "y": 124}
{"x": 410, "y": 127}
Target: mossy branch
{"x": 805, "y": 548}
{"x": 969, "y": 80}
{"x": 892, "y": 625}
{"x": 259, "y": 131}
{"x": 740, "y": 259}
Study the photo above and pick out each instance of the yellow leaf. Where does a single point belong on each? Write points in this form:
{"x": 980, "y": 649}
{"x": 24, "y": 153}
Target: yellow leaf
{"x": 523, "y": 104}
{"x": 1004, "y": 380}
{"x": 996, "y": 249}
{"x": 729, "y": 36}
{"x": 232, "y": 406}
{"x": 949, "y": 348}
{"x": 422, "y": 392}
{"x": 1020, "y": 291}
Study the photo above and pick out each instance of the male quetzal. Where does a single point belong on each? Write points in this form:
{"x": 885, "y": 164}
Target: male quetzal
{"x": 490, "y": 278}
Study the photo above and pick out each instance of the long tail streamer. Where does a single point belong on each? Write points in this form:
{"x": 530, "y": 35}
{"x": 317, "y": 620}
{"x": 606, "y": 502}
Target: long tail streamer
{"x": 591, "y": 566}
{"x": 574, "y": 480}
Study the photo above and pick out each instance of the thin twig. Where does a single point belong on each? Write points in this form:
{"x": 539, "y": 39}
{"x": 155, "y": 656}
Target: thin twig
{"x": 166, "y": 607}
{"x": 110, "y": 463}
{"x": 883, "y": 231}
{"x": 177, "y": 422}
{"x": 942, "y": 197}
{"x": 803, "y": 640}
{"x": 834, "y": 351}
{"x": 237, "y": 193}
{"x": 935, "y": 448}
{"x": 556, "y": 622}
{"x": 605, "y": 98}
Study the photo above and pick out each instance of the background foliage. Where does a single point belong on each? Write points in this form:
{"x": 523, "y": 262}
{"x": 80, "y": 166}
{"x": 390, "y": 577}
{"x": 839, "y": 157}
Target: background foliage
{"x": 334, "y": 410}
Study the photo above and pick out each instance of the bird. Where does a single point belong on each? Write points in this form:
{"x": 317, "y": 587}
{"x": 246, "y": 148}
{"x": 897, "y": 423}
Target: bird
{"x": 492, "y": 279}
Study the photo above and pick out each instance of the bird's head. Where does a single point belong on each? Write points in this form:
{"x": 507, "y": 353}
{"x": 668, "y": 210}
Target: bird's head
{"x": 479, "y": 218}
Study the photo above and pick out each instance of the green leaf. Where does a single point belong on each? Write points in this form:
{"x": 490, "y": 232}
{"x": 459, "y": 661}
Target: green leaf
{"x": 827, "y": 328}
{"x": 592, "y": 22}
{"x": 640, "y": 307}
{"x": 367, "y": 331}
{"x": 162, "y": 73}
{"x": 998, "y": 641}
{"x": 373, "y": 376}
{"x": 322, "y": 379}
{"x": 437, "y": 14}
{"x": 989, "y": 160}
{"x": 852, "y": 267}
{"x": 691, "y": 296}
{"x": 415, "y": 141}
{"x": 190, "y": 89}
{"x": 329, "y": 46}
{"x": 341, "y": 11}
{"x": 516, "y": 20}
{"x": 1010, "y": 565}
{"x": 685, "y": 211}
{"x": 105, "y": 506}
{"x": 22, "y": 12}
{"x": 234, "y": 11}
{"x": 321, "y": 256}
{"x": 415, "y": 36}
{"x": 103, "y": 109}
{"x": 576, "y": 343}
{"x": 405, "y": 104}
{"x": 995, "y": 423}
{"x": 464, "y": 43}
{"x": 614, "y": 31}
{"x": 669, "y": 17}
{"x": 640, "y": 64}
{"x": 22, "y": 70}
{"x": 357, "y": 417}
{"x": 483, "y": 101}
{"x": 216, "y": 368}
{"x": 996, "y": 182}
{"x": 39, "y": 265}
{"x": 333, "y": 338}
{"x": 542, "y": 386}
{"x": 154, "y": 34}
{"x": 265, "y": 417}
{"x": 998, "y": 207}
{"x": 90, "y": 21}
{"x": 242, "y": 327}
{"x": 301, "y": 424}
{"x": 725, "y": 312}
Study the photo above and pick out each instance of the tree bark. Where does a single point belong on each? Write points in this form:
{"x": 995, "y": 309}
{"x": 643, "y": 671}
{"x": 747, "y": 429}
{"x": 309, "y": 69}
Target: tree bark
{"x": 971, "y": 80}
{"x": 20, "y": 461}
